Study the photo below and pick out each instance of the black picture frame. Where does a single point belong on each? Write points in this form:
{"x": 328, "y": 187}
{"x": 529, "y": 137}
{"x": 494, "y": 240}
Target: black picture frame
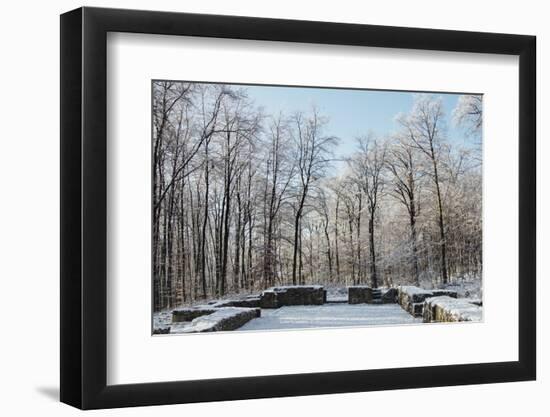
{"x": 84, "y": 207}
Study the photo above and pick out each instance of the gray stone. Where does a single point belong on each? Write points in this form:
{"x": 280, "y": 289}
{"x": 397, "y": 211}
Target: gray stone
{"x": 223, "y": 319}
{"x": 191, "y": 313}
{"x": 411, "y": 299}
{"x": 293, "y": 295}
{"x": 249, "y": 302}
{"x": 416, "y": 309}
{"x": 268, "y": 299}
{"x": 300, "y": 295}
{"x": 359, "y": 294}
{"x": 449, "y": 309}
{"x": 389, "y": 296}
{"x": 448, "y": 293}
{"x": 161, "y": 330}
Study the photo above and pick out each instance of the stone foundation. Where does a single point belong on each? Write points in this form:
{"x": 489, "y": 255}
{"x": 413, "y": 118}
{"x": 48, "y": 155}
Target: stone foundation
{"x": 448, "y": 309}
{"x": 222, "y": 319}
{"x": 248, "y": 302}
{"x": 440, "y": 293}
{"x": 191, "y": 313}
{"x": 161, "y": 330}
{"x": 412, "y": 298}
{"x": 389, "y": 296}
{"x": 292, "y": 296}
{"x": 363, "y": 294}
{"x": 359, "y": 294}
{"x": 268, "y": 299}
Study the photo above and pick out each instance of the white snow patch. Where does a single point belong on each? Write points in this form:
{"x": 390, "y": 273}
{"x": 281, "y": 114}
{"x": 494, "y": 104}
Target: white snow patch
{"x": 289, "y": 287}
{"x": 460, "y": 308}
{"x": 411, "y": 289}
{"x": 330, "y": 315}
{"x": 162, "y": 319}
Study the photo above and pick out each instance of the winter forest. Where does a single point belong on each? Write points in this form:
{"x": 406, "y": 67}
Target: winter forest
{"x": 245, "y": 198}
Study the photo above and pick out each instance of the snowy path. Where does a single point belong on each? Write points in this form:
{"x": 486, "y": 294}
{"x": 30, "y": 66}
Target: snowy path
{"x": 330, "y": 315}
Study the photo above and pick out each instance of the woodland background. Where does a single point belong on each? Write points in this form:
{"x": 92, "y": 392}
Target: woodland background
{"x": 244, "y": 200}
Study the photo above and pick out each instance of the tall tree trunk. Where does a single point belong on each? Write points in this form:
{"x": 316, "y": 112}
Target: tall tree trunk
{"x": 373, "y": 273}
{"x": 300, "y": 257}
{"x": 244, "y": 281}
{"x": 163, "y": 260}
{"x": 329, "y": 250}
{"x": 444, "y": 276}
{"x": 225, "y": 240}
{"x": 358, "y": 241}
{"x": 295, "y": 249}
{"x": 204, "y": 223}
{"x": 268, "y": 261}
{"x": 236, "y": 264}
{"x": 351, "y": 249}
{"x": 336, "y": 238}
{"x": 249, "y": 254}
{"x": 414, "y": 245}
{"x": 412, "y": 218}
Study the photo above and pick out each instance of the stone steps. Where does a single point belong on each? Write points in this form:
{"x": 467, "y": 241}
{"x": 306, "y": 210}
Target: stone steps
{"x": 376, "y": 296}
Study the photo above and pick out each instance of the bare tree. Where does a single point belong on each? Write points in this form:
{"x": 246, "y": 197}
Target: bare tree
{"x": 244, "y": 199}
{"x": 312, "y": 158}
{"x": 367, "y": 167}
{"x": 279, "y": 172}
{"x": 469, "y": 113}
{"x": 324, "y": 212}
{"x": 424, "y": 126}
{"x": 402, "y": 163}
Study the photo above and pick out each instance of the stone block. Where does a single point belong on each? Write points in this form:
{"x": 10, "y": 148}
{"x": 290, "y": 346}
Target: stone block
{"x": 448, "y": 293}
{"x": 268, "y": 299}
{"x": 161, "y": 330}
{"x": 359, "y": 294}
{"x": 249, "y": 302}
{"x": 293, "y": 295}
{"x": 449, "y": 309}
{"x": 191, "y": 313}
{"x": 416, "y": 309}
{"x": 300, "y": 295}
{"x": 389, "y": 296}
{"x": 223, "y": 319}
{"x": 412, "y": 298}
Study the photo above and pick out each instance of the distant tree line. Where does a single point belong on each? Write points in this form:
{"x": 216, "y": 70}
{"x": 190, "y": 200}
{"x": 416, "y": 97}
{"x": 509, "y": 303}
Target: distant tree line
{"x": 244, "y": 200}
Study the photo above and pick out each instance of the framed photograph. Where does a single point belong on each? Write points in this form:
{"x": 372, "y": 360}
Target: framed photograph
{"x": 258, "y": 208}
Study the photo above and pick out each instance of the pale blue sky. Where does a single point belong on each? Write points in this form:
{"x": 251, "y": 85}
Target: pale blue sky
{"x": 352, "y": 113}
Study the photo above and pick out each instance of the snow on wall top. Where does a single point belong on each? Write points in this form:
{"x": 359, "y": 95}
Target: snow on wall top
{"x": 289, "y": 287}
{"x": 461, "y": 308}
{"x": 411, "y": 289}
{"x": 209, "y": 322}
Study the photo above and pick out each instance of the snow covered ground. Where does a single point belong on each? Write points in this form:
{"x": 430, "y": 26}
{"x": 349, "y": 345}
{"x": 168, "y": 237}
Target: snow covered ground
{"x": 330, "y": 315}
{"x": 162, "y": 319}
{"x": 337, "y": 313}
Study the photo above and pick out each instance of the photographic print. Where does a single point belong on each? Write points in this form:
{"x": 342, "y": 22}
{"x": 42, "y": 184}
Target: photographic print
{"x": 285, "y": 207}
{"x": 268, "y": 204}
